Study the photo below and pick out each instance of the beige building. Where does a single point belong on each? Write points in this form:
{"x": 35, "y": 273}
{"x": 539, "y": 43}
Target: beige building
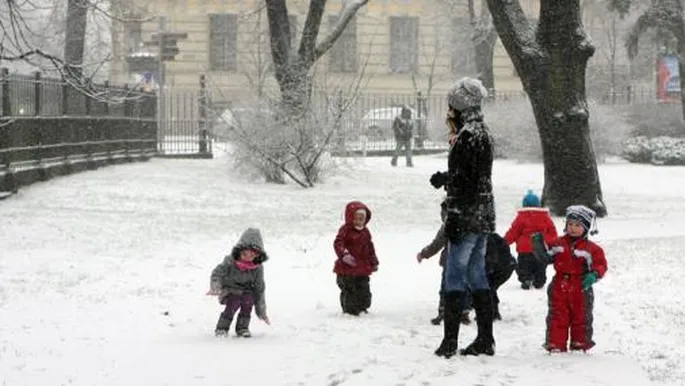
{"x": 393, "y": 46}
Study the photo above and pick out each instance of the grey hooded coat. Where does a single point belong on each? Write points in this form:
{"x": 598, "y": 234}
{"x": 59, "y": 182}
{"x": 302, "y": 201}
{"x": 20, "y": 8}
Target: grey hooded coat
{"x": 227, "y": 279}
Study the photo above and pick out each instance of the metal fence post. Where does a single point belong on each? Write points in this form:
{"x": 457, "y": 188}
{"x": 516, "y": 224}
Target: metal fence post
{"x": 38, "y": 93}
{"x": 202, "y": 121}
{"x": 6, "y": 104}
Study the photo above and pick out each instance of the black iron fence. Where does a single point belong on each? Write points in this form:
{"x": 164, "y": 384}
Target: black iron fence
{"x": 366, "y": 124}
{"x": 51, "y": 127}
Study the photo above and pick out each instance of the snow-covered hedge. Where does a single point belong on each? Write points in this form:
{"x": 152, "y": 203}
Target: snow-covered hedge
{"x": 657, "y": 151}
{"x": 516, "y": 134}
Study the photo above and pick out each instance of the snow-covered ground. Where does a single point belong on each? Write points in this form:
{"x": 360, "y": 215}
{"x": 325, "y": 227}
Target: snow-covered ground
{"x": 103, "y": 276}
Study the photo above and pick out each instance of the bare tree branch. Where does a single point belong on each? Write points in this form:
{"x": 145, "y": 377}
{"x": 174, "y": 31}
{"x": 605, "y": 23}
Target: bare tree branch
{"x": 508, "y": 15}
{"x": 347, "y": 14}
{"x": 310, "y": 32}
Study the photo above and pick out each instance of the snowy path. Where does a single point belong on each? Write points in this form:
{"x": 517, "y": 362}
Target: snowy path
{"x": 102, "y": 277}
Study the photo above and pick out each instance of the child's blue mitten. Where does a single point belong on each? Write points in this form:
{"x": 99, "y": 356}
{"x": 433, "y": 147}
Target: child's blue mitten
{"x": 589, "y": 279}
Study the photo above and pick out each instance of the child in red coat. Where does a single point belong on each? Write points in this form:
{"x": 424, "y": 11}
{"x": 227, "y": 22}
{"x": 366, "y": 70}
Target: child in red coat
{"x": 578, "y": 263}
{"x": 356, "y": 259}
{"x": 532, "y": 218}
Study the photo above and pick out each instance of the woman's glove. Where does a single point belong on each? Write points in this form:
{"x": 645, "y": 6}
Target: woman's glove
{"x": 438, "y": 179}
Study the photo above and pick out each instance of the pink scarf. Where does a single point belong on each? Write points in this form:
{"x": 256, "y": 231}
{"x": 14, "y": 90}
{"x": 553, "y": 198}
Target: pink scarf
{"x": 245, "y": 265}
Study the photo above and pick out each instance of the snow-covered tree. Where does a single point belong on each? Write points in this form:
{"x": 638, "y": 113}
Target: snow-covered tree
{"x": 299, "y": 135}
{"x": 62, "y": 38}
{"x": 292, "y": 67}
{"x": 667, "y": 17}
{"x": 551, "y": 58}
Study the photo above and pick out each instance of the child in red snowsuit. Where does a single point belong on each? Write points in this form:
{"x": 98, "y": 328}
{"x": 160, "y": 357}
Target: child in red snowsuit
{"x": 578, "y": 263}
{"x": 532, "y": 218}
{"x": 356, "y": 259}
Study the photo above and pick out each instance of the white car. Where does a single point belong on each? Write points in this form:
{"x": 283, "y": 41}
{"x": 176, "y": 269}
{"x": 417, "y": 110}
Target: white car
{"x": 377, "y": 123}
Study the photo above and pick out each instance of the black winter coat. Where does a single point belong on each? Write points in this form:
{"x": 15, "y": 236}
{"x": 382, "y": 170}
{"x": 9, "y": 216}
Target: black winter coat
{"x": 469, "y": 177}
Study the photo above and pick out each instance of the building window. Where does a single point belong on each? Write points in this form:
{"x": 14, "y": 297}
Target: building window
{"x": 404, "y": 48}
{"x": 223, "y": 42}
{"x": 133, "y": 31}
{"x": 462, "y": 50}
{"x": 343, "y": 54}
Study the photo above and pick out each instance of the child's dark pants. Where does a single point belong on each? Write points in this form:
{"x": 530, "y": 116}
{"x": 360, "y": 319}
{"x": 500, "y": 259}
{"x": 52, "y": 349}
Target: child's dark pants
{"x": 234, "y": 302}
{"x": 530, "y": 270}
{"x": 355, "y": 293}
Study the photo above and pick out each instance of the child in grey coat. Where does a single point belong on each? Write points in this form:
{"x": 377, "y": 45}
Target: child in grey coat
{"x": 238, "y": 282}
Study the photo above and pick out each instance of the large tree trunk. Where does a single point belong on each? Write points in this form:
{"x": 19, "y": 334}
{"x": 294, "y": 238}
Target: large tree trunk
{"x": 552, "y": 64}
{"x": 75, "y": 41}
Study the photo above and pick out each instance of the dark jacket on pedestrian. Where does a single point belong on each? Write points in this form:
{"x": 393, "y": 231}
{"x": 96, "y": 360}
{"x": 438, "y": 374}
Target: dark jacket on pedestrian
{"x": 403, "y": 126}
{"x": 469, "y": 176}
{"x": 230, "y": 278}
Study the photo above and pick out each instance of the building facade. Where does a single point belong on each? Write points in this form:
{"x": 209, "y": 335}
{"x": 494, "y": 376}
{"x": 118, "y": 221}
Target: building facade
{"x": 391, "y": 46}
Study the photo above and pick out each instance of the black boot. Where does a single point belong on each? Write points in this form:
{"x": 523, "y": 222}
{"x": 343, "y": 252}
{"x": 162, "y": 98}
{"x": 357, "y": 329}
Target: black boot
{"x": 242, "y": 325}
{"x": 450, "y": 341}
{"x": 223, "y": 324}
{"x": 484, "y": 342}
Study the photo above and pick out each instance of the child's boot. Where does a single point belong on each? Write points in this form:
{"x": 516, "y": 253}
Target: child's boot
{"x": 223, "y": 324}
{"x": 495, "y": 312}
{"x": 465, "y": 319}
{"x": 485, "y": 341}
{"x": 448, "y": 346}
{"x": 242, "y": 325}
{"x": 441, "y": 313}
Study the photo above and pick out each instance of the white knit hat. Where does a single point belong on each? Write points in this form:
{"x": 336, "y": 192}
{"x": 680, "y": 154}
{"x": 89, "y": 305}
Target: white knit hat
{"x": 466, "y": 94}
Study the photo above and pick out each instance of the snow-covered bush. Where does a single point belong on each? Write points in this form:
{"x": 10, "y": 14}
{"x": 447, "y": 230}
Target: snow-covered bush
{"x": 514, "y": 130}
{"x": 654, "y": 119}
{"x": 657, "y": 151}
{"x": 268, "y": 141}
{"x": 609, "y": 128}
{"x": 516, "y": 134}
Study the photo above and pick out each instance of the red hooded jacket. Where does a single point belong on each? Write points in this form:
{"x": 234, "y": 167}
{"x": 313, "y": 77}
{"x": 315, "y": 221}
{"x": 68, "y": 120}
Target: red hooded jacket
{"x": 527, "y": 222}
{"x": 355, "y": 242}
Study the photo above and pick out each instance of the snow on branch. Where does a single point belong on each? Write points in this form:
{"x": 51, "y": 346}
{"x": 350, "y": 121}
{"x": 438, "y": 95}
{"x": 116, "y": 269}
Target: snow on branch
{"x": 345, "y": 16}
{"x": 514, "y": 28}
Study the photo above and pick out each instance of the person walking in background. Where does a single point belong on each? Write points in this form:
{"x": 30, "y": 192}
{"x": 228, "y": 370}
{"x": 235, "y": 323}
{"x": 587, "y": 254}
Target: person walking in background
{"x": 403, "y": 128}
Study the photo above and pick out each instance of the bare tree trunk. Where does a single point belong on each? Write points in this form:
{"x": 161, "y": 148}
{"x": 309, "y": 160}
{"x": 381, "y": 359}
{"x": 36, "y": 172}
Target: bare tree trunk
{"x": 485, "y": 53}
{"x": 75, "y": 41}
{"x": 552, "y": 65}
{"x": 484, "y": 38}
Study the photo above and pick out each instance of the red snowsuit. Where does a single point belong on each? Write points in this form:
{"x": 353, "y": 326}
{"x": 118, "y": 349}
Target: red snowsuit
{"x": 355, "y": 242}
{"x": 530, "y": 270}
{"x": 570, "y": 307}
{"x": 527, "y": 222}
